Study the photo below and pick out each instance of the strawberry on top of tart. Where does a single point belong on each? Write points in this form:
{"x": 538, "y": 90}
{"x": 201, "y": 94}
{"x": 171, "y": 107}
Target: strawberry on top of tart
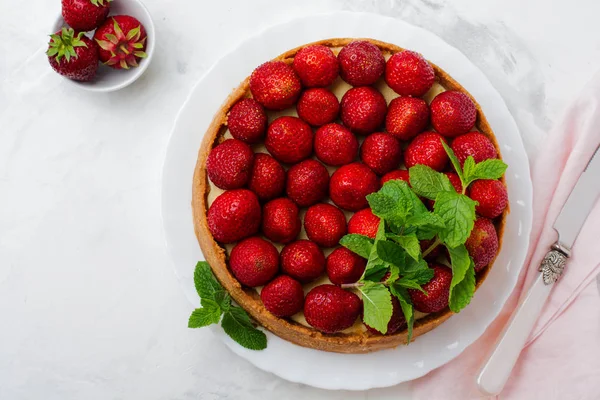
{"x": 349, "y": 197}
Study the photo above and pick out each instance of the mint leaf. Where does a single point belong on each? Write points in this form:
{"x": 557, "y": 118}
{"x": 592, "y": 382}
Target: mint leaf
{"x": 427, "y": 225}
{"x": 427, "y": 182}
{"x": 382, "y": 205}
{"x": 407, "y": 307}
{"x": 410, "y": 243}
{"x": 394, "y": 274}
{"x": 391, "y": 203}
{"x": 376, "y": 272}
{"x": 209, "y": 314}
{"x": 402, "y": 193}
{"x": 420, "y": 276}
{"x": 206, "y": 284}
{"x": 377, "y": 306}
{"x": 412, "y": 265}
{"x": 487, "y": 169}
{"x": 358, "y": 244}
{"x": 455, "y": 163}
{"x": 462, "y": 286}
{"x": 458, "y": 213}
{"x": 236, "y": 323}
{"x": 373, "y": 261}
{"x": 391, "y": 253}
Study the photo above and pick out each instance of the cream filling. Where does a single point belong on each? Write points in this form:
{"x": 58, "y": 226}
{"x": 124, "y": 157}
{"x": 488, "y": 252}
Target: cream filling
{"x": 339, "y": 88}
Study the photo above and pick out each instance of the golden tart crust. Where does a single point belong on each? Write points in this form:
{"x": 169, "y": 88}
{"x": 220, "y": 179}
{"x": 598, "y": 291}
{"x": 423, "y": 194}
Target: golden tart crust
{"x": 357, "y": 341}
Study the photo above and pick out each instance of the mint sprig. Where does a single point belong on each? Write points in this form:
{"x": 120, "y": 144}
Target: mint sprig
{"x": 462, "y": 285}
{"x": 216, "y": 303}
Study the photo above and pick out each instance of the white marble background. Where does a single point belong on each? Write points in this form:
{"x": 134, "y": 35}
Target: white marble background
{"x": 89, "y": 304}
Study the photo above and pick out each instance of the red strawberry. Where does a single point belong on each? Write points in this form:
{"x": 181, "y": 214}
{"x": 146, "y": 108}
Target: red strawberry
{"x": 350, "y": 185}
{"x": 281, "y": 223}
{"x": 234, "y": 215}
{"x": 363, "y": 109}
{"x": 254, "y": 261}
{"x": 491, "y": 196}
{"x": 229, "y": 165}
{"x": 381, "y": 152}
{"x": 73, "y": 56}
{"x": 438, "y": 290}
{"x": 409, "y": 74}
{"x": 426, "y": 149}
{"x": 483, "y": 243}
{"x": 343, "y": 266}
{"x": 307, "y": 183}
{"x": 325, "y": 224}
{"x": 399, "y": 174}
{"x": 397, "y": 322}
{"x": 361, "y": 63}
{"x": 85, "y": 15}
{"x": 335, "y": 145}
{"x": 406, "y": 117}
{"x": 283, "y": 296}
{"x": 331, "y": 309}
{"x": 453, "y": 113}
{"x": 316, "y": 65}
{"x": 474, "y": 144}
{"x": 275, "y": 85}
{"x": 364, "y": 222}
{"x": 318, "y": 106}
{"x": 267, "y": 178}
{"x": 303, "y": 260}
{"x": 122, "y": 40}
{"x": 289, "y": 139}
{"x": 247, "y": 121}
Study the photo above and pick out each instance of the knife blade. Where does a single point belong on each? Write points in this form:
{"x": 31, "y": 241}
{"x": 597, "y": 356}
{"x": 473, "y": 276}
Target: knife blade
{"x": 580, "y": 203}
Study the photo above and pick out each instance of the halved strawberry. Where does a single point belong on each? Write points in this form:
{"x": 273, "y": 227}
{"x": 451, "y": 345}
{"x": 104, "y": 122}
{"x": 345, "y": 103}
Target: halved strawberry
{"x": 122, "y": 41}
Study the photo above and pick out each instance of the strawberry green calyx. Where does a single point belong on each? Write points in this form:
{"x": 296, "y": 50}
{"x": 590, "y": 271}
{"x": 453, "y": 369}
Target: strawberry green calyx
{"x": 99, "y": 3}
{"x": 63, "y": 45}
{"x": 125, "y": 50}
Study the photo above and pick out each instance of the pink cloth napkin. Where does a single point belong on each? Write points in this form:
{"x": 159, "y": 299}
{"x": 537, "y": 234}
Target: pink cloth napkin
{"x": 551, "y": 355}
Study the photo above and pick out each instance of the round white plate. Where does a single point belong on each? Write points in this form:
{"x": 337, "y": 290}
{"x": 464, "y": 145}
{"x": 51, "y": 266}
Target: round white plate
{"x": 331, "y": 370}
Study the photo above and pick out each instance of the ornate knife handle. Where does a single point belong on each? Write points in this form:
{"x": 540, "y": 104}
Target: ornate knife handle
{"x": 553, "y": 264}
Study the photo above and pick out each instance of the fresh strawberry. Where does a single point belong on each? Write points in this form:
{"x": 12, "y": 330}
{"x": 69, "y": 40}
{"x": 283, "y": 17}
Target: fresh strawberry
{"x": 364, "y": 222}
{"x": 335, "y": 145}
{"x": 426, "y": 149}
{"x": 399, "y": 174}
{"x": 363, "y": 109}
{"x": 303, "y": 260}
{"x": 275, "y": 85}
{"x": 234, "y": 215}
{"x": 281, "y": 223}
{"x": 318, "y": 106}
{"x": 325, "y": 224}
{"x": 350, "y": 185}
{"x": 122, "y": 40}
{"x": 361, "y": 63}
{"x": 331, "y": 309}
{"x": 381, "y": 152}
{"x": 453, "y": 113}
{"x": 307, "y": 183}
{"x": 283, "y": 296}
{"x": 85, "y": 15}
{"x": 254, "y": 261}
{"x": 406, "y": 117}
{"x": 73, "y": 56}
{"x": 397, "y": 322}
{"x": 409, "y": 74}
{"x": 438, "y": 290}
{"x": 289, "y": 140}
{"x": 316, "y": 65}
{"x": 267, "y": 178}
{"x": 474, "y": 144}
{"x": 483, "y": 243}
{"x": 491, "y": 196}
{"x": 343, "y": 266}
{"x": 229, "y": 164}
{"x": 247, "y": 121}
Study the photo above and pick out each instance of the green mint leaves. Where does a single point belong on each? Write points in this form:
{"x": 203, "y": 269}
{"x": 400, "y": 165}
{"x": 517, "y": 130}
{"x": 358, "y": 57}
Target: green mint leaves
{"x": 216, "y": 302}
{"x": 429, "y": 183}
{"x": 462, "y": 286}
{"x": 458, "y": 213}
{"x": 487, "y": 169}
{"x": 377, "y": 305}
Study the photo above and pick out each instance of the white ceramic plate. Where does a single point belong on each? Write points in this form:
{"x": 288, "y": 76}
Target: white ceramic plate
{"x": 330, "y": 370}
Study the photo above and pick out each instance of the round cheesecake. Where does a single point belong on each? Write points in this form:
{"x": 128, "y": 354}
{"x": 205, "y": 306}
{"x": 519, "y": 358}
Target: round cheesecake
{"x": 355, "y": 339}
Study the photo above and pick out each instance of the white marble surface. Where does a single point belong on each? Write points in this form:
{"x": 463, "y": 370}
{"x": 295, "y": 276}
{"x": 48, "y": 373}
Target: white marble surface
{"x": 89, "y": 305}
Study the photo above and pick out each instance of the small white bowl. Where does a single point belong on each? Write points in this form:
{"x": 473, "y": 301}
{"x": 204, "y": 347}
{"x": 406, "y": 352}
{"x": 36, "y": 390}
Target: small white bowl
{"x": 109, "y": 79}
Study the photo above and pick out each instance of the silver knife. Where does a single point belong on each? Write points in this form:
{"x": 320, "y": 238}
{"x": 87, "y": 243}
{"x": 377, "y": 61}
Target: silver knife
{"x": 497, "y": 369}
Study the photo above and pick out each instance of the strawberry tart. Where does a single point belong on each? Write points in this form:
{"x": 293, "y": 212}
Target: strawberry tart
{"x": 349, "y": 196}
